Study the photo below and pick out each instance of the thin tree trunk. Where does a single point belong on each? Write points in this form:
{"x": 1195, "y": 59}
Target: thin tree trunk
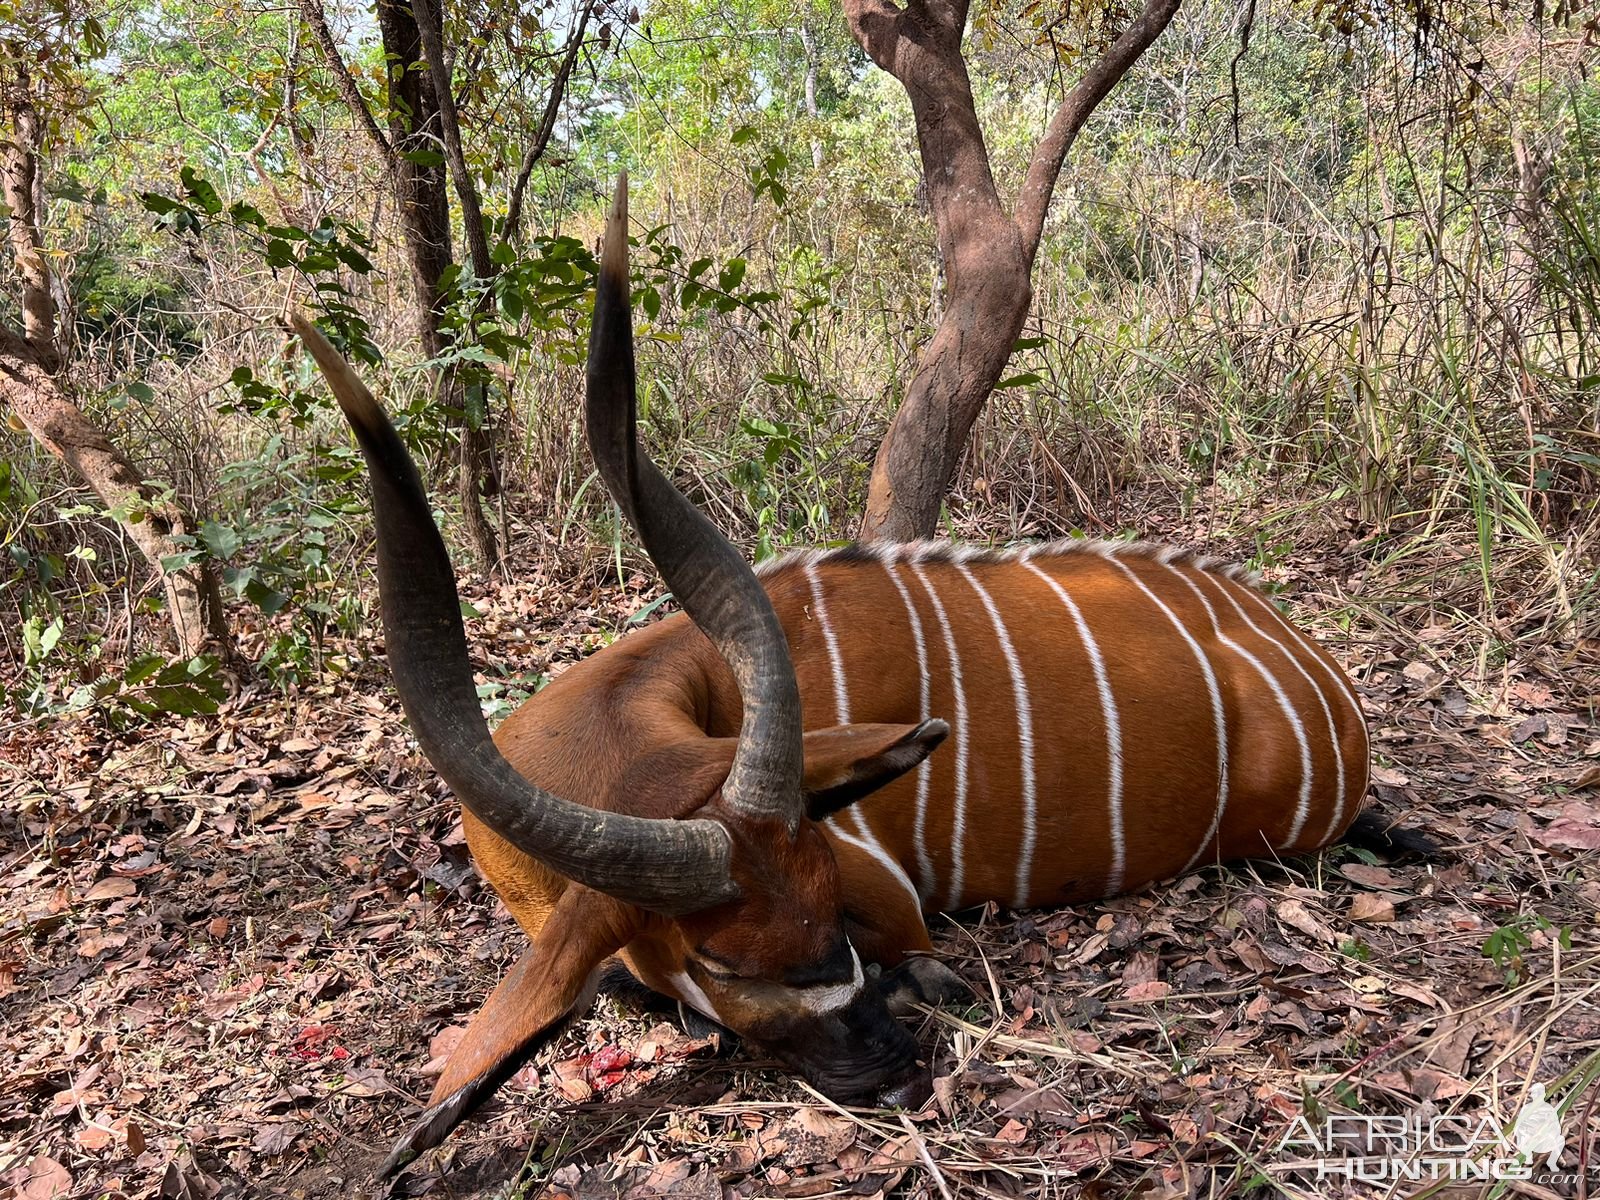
{"x": 476, "y": 461}
{"x": 19, "y": 176}
{"x": 422, "y": 123}
{"x": 416, "y": 129}
{"x": 29, "y": 386}
{"x": 153, "y": 521}
{"x": 808, "y": 44}
{"x": 988, "y": 254}
{"x": 547, "y": 123}
{"x": 422, "y": 197}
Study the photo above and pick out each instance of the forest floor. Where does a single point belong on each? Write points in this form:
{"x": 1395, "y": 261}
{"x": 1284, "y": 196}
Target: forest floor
{"x": 230, "y": 946}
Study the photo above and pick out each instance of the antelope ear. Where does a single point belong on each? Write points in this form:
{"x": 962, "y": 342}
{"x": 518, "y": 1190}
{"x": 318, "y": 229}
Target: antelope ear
{"x": 848, "y": 762}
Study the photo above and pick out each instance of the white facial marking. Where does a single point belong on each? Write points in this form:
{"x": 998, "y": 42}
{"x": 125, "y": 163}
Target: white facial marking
{"x": 689, "y": 992}
{"x": 822, "y": 998}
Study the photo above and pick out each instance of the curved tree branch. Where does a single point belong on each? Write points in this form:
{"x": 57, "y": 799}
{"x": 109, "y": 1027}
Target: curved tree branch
{"x": 547, "y": 124}
{"x": 987, "y": 252}
{"x": 1033, "y": 204}
{"x": 316, "y": 19}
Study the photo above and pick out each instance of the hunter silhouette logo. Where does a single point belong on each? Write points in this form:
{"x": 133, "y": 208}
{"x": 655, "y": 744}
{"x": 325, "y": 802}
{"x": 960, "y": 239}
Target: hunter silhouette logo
{"x": 1538, "y": 1128}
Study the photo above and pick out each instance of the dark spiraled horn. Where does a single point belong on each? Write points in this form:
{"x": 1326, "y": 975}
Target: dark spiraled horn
{"x": 707, "y": 575}
{"x": 669, "y": 867}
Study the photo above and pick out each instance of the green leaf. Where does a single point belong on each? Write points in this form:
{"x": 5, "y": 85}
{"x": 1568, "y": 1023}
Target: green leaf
{"x": 141, "y": 668}
{"x": 354, "y": 259}
{"x": 246, "y": 214}
{"x": 236, "y": 579}
{"x": 268, "y": 600}
{"x": 156, "y": 203}
{"x": 222, "y": 540}
{"x": 140, "y": 391}
{"x": 731, "y": 274}
{"x": 201, "y": 190}
{"x": 50, "y": 636}
{"x": 424, "y": 158}
{"x": 180, "y": 560}
{"x": 180, "y": 700}
{"x": 779, "y": 379}
{"x": 279, "y": 254}
{"x": 1016, "y": 381}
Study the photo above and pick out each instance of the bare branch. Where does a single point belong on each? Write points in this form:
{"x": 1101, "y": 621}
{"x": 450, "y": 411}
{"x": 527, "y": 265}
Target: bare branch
{"x": 547, "y": 125}
{"x": 1033, "y": 205}
{"x": 311, "y": 12}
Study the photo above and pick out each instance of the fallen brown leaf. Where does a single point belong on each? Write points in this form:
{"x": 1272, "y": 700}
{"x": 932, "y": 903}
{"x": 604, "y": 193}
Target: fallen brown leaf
{"x": 1371, "y": 908}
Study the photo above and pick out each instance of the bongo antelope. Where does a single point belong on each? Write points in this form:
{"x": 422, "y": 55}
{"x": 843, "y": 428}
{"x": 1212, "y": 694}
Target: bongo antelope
{"x": 739, "y": 802}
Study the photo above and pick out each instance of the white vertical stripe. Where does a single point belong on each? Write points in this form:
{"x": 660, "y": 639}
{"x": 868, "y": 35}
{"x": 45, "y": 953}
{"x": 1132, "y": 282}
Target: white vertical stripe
{"x": 864, "y": 838}
{"x": 1341, "y": 685}
{"x": 1302, "y": 807}
{"x": 819, "y": 609}
{"x": 925, "y": 878}
{"x": 1113, "y": 725}
{"x": 1327, "y": 713}
{"x": 1219, "y": 720}
{"x": 1019, "y": 693}
{"x": 958, "y": 816}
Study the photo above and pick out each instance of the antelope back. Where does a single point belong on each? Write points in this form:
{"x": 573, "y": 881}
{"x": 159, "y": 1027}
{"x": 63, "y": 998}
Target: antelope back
{"x": 1119, "y": 712}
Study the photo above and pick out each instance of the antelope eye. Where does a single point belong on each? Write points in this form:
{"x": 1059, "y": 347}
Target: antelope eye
{"x": 716, "y": 970}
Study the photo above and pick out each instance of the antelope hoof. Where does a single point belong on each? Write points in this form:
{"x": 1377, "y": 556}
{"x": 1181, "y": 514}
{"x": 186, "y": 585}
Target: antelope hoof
{"x": 435, "y": 1125}
{"x": 920, "y": 981}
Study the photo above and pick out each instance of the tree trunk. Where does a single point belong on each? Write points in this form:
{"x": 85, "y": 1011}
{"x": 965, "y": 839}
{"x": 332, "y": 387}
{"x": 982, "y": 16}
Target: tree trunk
{"x": 988, "y": 298}
{"x": 152, "y": 521}
{"x": 19, "y": 177}
{"x": 422, "y": 118}
{"x": 28, "y": 384}
{"x": 422, "y": 196}
{"x": 987, "y": 253}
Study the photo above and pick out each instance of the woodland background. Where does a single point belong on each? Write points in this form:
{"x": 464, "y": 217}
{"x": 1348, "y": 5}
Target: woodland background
{"x": 1319, "y": 289}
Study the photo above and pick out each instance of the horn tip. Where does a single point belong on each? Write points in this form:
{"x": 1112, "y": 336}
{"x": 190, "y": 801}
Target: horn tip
{"x": 614, "y": 256}
{"x": 355, "y": 401}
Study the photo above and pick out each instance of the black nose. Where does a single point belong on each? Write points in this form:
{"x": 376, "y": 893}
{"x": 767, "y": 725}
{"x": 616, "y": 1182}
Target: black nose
{"x": 911, "y": 1091}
